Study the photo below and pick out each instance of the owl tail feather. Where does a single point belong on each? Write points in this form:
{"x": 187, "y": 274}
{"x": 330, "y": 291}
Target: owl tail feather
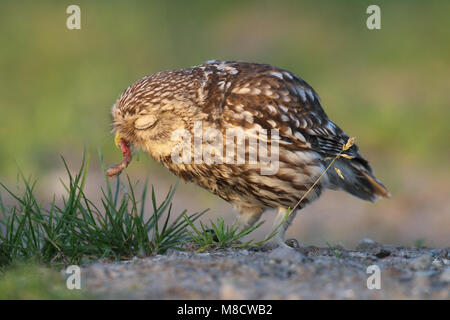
{"x": 357, "y": 179}
{"x": 377, "y": 186}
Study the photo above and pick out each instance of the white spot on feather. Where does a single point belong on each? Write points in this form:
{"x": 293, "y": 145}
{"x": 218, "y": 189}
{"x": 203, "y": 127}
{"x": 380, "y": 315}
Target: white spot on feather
{"x": 256, "y": 91}
{"x": 304, "y": 124}
{"x": 239, "y": 108}
{"x": 226, "y": 68}
{"x": 277, "y": 74}
{"x": 272, "y": 109}
{"x": 287, "y": 74}
{"x": 283, "y": 108}
{"x": 301, "y": 92}
{"x": 286, "y": 99}
{"x": 299, "y": 136}
{"x": 310, "y": 94}
{"x": 248, "y": 116}
{"x": 243, "y": 90}
{"x": 272, "y": 123}
{"x": 288, "y": 131}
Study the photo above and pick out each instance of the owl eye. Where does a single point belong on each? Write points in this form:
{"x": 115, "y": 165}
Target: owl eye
{"x": 145, "y": 122}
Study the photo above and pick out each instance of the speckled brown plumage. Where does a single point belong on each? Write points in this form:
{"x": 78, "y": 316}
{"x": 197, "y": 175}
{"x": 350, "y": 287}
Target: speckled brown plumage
{"x": 248, "y": 96}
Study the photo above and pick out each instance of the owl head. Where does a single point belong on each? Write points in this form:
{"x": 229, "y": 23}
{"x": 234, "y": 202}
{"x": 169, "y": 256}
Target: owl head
{"x": 149, "y": 111}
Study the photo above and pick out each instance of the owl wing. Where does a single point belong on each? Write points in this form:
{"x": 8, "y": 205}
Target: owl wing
{"x": 274, "y": 98}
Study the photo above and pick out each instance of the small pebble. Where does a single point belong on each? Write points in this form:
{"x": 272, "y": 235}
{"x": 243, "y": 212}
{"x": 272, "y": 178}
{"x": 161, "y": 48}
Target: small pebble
{"x": 381, "y": 253}
{"x": 357, "y": 255}
{"x": 367, "y": 241}
{"x": 366, "y": 244}
{"x": 244, "y": 252}
{"x": 437, "y": 263}
{"x": 445, "y": 275}
{"x": 435, "y": 251}
{"x": 203, "y": 254}
{"x": 422, "y": 262}
{"x": 286, "y": 254}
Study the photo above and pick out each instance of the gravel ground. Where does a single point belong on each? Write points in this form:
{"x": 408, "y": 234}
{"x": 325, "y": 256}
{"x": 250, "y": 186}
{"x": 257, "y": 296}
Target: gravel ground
{"x": 288, "y": 273}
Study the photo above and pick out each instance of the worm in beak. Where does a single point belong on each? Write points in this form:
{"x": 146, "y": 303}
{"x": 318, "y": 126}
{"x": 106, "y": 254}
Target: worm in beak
{"x": 127, "y": 157}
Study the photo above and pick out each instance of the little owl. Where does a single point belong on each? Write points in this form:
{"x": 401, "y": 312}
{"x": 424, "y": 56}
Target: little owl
{"x": 250, "y": 98}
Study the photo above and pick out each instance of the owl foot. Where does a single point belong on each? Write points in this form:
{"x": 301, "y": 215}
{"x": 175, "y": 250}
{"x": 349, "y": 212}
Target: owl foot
{"x": 277, "y": 243}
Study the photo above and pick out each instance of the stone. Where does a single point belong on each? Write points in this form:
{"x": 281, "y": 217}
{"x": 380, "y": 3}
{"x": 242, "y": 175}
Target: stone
{"x": 445, "y": 275}
{"x": 422, "y": 262}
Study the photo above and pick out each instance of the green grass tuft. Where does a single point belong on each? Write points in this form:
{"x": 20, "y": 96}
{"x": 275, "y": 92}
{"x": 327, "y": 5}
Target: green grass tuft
{"x": 76, "y": 230}
{"x": 336, "y": 252}
{"x": 219, "y": 235}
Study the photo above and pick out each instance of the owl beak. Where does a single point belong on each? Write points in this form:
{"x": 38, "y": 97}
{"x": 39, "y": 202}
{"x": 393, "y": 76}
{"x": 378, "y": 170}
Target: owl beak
{"x": 117, "y": 138}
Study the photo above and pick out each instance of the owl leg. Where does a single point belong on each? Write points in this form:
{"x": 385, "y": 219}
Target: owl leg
{"x": 248, "y": 216}
{"x": 279, "y": 238}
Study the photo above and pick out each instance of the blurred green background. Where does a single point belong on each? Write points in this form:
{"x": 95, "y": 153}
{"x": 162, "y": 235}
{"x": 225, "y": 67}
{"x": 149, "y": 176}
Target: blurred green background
{"x": 390, "y": 88}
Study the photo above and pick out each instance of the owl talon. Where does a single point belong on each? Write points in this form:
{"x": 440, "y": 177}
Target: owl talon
{"x": 293, "y": 243}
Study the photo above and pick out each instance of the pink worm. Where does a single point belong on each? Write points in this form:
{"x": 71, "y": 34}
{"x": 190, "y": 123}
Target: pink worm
{"x": 118, "y": 168}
